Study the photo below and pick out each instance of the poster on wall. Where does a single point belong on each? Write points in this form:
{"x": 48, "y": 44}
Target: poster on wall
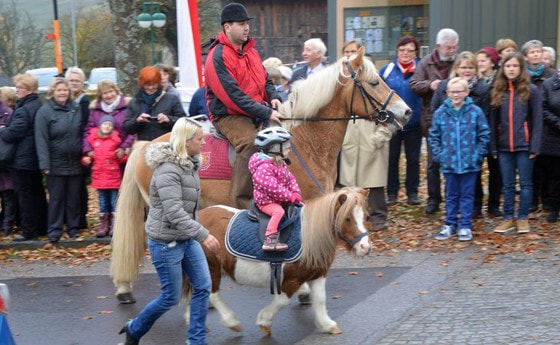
{"x": 378, "y": 29}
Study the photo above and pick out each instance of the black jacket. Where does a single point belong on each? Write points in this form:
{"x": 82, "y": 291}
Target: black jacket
{"x": 551, "y": 114}
{"x": 58, "y": 137}
{"x": 20, "y": 130}
{"x": 167, "y": 104}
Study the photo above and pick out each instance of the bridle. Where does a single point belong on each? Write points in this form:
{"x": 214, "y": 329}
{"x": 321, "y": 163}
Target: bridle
{"x": 383, "y": 115}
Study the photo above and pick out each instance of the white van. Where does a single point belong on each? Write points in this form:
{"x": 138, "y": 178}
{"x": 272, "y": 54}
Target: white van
{"x": 44, "y": 76}
{"x": 98, "y": 74}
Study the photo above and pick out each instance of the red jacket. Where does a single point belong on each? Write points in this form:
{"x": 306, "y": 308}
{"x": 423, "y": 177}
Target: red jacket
{"x": 236, "y": 81}
{"x": 106, "y": 170}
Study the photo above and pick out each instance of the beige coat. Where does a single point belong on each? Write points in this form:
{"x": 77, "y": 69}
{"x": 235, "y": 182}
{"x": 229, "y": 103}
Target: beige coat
{"x": 364, "y": 160}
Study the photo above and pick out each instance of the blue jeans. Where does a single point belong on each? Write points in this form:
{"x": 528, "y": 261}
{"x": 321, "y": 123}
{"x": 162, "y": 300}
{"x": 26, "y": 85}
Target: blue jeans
{"x": 509, "y": 163}
{"x": 170, "y": 262}
{"x": 107, "y": 200}
{"x": 459, "y": 198}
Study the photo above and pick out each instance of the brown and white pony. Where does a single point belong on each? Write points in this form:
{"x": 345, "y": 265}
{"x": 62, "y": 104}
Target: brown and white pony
{"x": 348, "y": 87}
{"x": 335, "y": 216}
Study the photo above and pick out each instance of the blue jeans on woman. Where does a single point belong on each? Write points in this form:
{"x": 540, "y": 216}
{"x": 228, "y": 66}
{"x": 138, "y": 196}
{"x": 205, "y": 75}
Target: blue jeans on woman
{"x": 107, "y": 200}
{"x": 509, "y": 163}
{"x": 170, "y": 261}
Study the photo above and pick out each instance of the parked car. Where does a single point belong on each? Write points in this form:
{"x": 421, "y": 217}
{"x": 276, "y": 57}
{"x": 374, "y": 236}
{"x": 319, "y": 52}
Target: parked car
{"x": 44, "y": 77}
{"x": 98, "y": 74}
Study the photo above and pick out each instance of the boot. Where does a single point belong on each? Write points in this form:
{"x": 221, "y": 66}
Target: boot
{"x": 130, "y": 340}
{"x": 103, "y": 225}
{"x": 111, "y": 223}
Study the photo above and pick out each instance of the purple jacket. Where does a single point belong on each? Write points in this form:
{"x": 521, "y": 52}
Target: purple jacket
{"x": 95, "y": 114}
{"x": 272, "y": 183}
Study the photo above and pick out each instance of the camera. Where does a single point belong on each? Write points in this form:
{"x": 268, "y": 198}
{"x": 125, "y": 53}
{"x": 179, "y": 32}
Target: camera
{"x": 153, "y": 118}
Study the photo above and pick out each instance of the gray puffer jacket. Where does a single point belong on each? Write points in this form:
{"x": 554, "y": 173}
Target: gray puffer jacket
{"x": 174, "y": 193}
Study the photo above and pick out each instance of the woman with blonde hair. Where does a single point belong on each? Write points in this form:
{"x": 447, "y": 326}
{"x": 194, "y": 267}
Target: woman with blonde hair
{"x": 26, "y": 176}
{"x": 58, "y": 137}
{"x": 174, "y": 234}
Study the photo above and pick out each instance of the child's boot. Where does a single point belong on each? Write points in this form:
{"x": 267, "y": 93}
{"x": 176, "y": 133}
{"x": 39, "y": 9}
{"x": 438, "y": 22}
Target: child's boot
{"x": 103, "y": 225}
{"x": 111, "y": 223}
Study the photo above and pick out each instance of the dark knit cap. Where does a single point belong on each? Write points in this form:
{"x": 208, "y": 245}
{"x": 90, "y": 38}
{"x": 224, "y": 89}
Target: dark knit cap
{"x": 492, "y": 53}
{"x": 234, "y": 12}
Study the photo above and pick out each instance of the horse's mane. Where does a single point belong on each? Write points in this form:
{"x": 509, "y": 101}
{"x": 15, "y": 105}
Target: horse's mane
{"x": 319, "y": 219}
{"x": 309, "y": 95}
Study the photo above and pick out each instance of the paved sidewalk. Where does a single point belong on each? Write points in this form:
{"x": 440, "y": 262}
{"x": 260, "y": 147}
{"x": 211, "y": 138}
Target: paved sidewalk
{"x": 515, "y": 300}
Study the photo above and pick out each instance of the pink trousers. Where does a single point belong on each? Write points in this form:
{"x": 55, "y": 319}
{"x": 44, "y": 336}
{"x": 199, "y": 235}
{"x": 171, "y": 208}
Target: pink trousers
{"x": 276, "y": 212}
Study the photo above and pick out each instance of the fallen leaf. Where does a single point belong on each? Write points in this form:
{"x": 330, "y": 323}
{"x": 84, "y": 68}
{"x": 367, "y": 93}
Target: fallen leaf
{"x": 352, "y": 273}
{"x": 424, "y": 292}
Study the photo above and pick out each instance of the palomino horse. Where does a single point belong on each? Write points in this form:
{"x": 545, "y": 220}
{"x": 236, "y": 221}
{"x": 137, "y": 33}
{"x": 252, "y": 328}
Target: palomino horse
{"x": 318, "y": 110}
{"x": 335, "y": 216}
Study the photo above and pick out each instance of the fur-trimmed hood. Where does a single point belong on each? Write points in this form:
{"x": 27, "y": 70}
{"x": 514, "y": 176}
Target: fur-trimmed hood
{"x": 159, "y": 153}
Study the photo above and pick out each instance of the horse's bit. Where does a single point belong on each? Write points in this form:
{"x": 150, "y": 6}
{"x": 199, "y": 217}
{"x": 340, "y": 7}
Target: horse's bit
{"x": 383, "y": 115}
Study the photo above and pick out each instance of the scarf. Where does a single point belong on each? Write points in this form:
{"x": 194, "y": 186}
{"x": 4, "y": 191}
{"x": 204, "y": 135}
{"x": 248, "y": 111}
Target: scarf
{"x": 536, "y": 73}
{"x": 109, "y": 108}
{"x": 407, "y": 68}
{"x": 443, "y": 66}
{"x": 148, "y": 100}
{"x": 472, "y": 82}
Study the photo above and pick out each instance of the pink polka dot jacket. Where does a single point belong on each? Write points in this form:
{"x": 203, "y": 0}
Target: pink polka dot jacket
{"x": 272, "y": 183}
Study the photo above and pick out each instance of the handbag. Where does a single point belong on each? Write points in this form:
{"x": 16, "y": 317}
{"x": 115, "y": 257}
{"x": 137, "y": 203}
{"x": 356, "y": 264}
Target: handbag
{"x": 7, "y": 152}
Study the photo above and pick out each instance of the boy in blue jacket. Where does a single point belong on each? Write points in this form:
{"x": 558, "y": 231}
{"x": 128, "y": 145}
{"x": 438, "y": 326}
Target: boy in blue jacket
{"x": 458, "y": 136}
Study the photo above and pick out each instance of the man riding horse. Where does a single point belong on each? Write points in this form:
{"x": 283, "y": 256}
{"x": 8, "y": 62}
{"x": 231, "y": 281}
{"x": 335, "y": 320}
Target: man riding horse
{"x": 237, "y": 88}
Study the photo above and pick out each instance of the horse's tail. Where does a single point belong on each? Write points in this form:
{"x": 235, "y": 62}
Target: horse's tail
{"x": 129, "y": 238}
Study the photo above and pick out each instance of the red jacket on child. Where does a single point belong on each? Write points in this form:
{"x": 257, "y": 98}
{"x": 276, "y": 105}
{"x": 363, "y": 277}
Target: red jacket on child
{"x": 106, "y": 170}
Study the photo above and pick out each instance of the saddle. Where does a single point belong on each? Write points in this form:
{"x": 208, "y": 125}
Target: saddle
{"x": 246, "y": 233}
{"x": 217, "y": 157}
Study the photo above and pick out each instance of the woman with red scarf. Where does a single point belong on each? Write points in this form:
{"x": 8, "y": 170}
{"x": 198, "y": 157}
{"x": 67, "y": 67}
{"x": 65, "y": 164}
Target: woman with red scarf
{"x": 397, "y": 74}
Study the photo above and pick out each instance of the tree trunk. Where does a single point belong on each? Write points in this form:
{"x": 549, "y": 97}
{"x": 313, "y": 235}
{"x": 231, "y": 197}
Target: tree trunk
{"x": 127, "y": 43}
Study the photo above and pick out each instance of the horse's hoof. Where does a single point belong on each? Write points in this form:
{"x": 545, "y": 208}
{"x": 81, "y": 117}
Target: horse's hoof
{"x": 126, "y": 298}
{"x": 237, "y": 328}
{"x": 304, "y": 299}
{"x": 335, "y": 330}
{"x": 266, "y": 330}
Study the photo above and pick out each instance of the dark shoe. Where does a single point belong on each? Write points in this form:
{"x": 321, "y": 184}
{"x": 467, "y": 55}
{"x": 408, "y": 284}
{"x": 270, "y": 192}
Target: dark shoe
{"x": 73, "y": 234}
{"x": 20, "y": 238}
{"x": 413, "y": 200}
{"x": 130, "y": 340}
{"x": 431, "y": 208}
{"x": 533, "y": 208}
{"x": 476, "y": 214}
{"x": 495, "y": 212}
{"x": 126, "y": 298}
{"x": 53, "y": 239}
{"x": 7, "y": 232}
{"x": 552, "y": 217}
{"x": 391, "y": 200}
{"x": 272, "y": 244}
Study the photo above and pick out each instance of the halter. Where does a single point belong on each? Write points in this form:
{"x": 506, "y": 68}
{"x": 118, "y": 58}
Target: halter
{"x": 352, "y": 242}
{"x": 383, "y": 115}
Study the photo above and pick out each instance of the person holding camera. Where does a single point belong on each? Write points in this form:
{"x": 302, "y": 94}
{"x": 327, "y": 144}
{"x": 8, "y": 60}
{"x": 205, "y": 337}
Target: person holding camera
{"x": 152, "y": 112}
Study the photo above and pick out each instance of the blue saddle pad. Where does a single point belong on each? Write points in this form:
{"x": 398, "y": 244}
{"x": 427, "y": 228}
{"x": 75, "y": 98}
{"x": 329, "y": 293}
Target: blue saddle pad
{"x": 242, "y": 240}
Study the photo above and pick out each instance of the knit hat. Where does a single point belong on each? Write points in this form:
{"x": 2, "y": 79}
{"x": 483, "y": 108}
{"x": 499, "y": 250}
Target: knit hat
{"x": 286, "y": 72}
{"x": 493, "y": 53}
{"x": 234, "y": 12}
{"x": 106, "y": 118}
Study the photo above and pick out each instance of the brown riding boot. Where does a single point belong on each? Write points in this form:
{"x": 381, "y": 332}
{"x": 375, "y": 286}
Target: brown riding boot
{"x": 103, "y": 225}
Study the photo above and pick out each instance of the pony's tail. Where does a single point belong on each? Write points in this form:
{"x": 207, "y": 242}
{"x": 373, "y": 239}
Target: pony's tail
{"x": 129, "y": 237}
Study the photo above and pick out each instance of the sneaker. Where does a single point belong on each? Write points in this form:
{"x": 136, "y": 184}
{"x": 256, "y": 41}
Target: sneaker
{"x": 413, "y": 200}
{"x": 391, "y": 200}
{"x": 505, "y": 226}
{"x": 272, "y": 244}
{"x": 465, "y": 234}
{"x": 523, "y": 226}
{"x": 446, "y": 232}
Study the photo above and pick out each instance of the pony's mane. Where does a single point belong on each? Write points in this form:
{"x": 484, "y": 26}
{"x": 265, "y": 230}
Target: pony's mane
{"x": 319, "y": 221}
{"x": 309, "y": 95}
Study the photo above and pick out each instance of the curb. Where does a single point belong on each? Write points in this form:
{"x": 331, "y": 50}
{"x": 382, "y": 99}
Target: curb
{"x": 63, "y": 243}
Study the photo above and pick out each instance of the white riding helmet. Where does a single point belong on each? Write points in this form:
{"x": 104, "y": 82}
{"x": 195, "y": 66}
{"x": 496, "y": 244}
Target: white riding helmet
{"x": 270, "y": 139}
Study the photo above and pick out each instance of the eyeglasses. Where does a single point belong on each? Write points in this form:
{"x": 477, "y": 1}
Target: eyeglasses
{"x": 456, "y": 92}
{"x": 403, "y": 50}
